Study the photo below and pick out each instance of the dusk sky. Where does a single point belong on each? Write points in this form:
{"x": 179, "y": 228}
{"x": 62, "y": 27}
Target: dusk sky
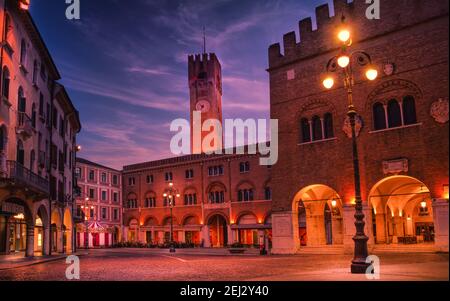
{"x": 125, "y": 64}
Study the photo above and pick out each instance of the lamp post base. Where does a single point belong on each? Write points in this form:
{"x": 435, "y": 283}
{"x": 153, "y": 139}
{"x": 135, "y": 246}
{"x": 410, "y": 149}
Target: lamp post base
{"x": 359, "y": 267}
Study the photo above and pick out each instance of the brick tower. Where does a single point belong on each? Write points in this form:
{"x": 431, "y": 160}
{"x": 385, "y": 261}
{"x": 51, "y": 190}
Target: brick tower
{"x": 205, "y": 87}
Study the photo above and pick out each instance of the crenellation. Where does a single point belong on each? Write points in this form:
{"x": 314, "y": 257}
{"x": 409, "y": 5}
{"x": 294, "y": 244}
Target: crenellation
{"x": 322, "y": 15}
{"x": 306, "y": 32}
{"x": 289, "y": 43}
{"x": 312, "y": 42}
{"x": 274, "y": 52}
{"x": 341, "y": 7}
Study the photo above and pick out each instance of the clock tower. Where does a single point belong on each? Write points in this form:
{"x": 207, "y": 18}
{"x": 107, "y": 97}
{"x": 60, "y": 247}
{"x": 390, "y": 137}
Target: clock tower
{"x": 205, "y": 88}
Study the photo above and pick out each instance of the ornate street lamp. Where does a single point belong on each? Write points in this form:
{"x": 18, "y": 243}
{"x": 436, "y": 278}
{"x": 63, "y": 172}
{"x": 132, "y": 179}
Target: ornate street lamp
{"x": 171, "y": 194}
{"x": 343, "y": 63}
{"x": 86, "y": 208}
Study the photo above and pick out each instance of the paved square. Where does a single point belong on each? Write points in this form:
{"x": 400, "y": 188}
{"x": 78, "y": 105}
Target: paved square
{"x": 152, "y": 265}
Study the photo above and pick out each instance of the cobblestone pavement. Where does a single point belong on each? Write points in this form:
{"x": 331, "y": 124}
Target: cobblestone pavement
{"x": 142, "y": 264}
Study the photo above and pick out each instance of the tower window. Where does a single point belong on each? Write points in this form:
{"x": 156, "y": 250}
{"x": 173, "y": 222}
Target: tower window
{"x": 394, "y": 114}
{"x": 409, "y": 110}
{"x": 379, "y": 116}
{"x": 306, "y": 130}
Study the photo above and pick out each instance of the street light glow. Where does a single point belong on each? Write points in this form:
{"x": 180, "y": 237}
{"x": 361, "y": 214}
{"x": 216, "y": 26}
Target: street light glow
{"x": 328, "y": 82}
{"x": 371, "y": 74}
{"x": 343, "y": 61}
{"x": 344, "y": 35}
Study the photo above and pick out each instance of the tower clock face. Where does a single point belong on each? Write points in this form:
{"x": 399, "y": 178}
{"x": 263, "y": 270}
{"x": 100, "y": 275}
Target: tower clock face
{"x": 203, "y": 106}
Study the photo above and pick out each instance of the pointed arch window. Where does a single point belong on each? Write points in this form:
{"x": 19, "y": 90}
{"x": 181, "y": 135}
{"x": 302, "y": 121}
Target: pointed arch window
{"x": 305, "y": 130}
{"x": 23, "y": 52}
{"x": 409, "y": 110}
{"x": 35, "y": 71}
{"x": 32, "y": 160}
{"x": 20, "y": 153}
{"x": 379, "y": 116}
{"x": 317, "y": 128}
{"x": 328, "y": 126}
{"x": 2, "y": 138}
{"x": 22, "y": 107}
{"x": 394, "y": 114}
{"x": 33, "y": 116}
{"x": 6, "y": 79}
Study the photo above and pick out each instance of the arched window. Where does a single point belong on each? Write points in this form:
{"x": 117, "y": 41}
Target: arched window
{"x": 32, "y": 160}
{"x": 379, "y": 116}
{"x": 306, "y": 131}
{"x": 22, "y": 101}
{"x": 2, "y": 138}
{"x": 35, "y": 71}
{"x": 23, "y": 52}
{"x": 317, "y": 128}
{"x": 33, "y": 116}
{"x": 328, "y": 126}
{"x": 268, "y": 193}
{"x": 394, "y": 114}
{"x": 6, "y": 79}
{"x": 20, "y": 153}
{"x": 409, "y": 110}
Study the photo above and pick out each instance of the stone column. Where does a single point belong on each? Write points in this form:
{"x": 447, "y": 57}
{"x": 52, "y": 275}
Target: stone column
{"x": 182, "y": 236}
{"x": 398, "y": 228}
{"x": 4, "y": 241}
{"x": 315, "y": 229}
{"x": 381, "y": 228}
{"x": 204, "y": 235}
{"x": 46, "y": 241}
{"x": 337, "y": 230}
{"x": 440, "y": 220}
{"x": 30, "y": 241}
{"x": 368, "y": 229}
{"x": 348, "y": 211}
{"x": 60, "y": 243}
{"x": 285, "y": 239}
{"x": 229, "y": 235}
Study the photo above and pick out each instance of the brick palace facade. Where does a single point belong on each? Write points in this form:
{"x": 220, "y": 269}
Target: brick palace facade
{"x": 307, "y": 198}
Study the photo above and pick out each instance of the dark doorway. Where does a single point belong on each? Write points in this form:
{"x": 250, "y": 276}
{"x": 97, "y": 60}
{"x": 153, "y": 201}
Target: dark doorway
{"x": 218, "y": 231}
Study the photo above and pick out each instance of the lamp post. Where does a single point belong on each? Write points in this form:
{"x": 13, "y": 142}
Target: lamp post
{"x": 86, "y": 208}
{"x": 343, "y": 63}
{"x": 171, "y": 194}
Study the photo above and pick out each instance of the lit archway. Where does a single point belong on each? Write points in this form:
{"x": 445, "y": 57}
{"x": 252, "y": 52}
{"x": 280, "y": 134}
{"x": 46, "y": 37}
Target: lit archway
{"x": 67, "y": 231}
{"x": 402, "y": 211}
{"x": 218, "y": 230}
{"x": 318, "y": 216}
{"x": 56, "y": 231}
{"x": 16, "y": 228}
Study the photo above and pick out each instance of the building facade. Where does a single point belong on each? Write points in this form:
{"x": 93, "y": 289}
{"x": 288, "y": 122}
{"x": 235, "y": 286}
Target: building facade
{"x": 98, "y": 205}
{"x": 222, "y": 198}
{"x": 38, "y": 128}
{"x": 402, "y": 129}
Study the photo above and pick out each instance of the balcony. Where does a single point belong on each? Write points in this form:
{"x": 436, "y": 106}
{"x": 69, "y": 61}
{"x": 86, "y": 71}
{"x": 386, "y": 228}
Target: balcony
{"x": 24, "y": 125}
{"x": 17, "y": 175}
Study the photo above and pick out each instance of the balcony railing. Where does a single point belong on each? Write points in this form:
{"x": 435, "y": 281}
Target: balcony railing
{"x": 23, "y": 176}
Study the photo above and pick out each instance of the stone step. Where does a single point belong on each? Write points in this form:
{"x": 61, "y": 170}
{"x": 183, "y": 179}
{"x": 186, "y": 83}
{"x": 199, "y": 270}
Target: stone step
{"x": 329, "y": 250}
{"x": 394, "y": 248}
